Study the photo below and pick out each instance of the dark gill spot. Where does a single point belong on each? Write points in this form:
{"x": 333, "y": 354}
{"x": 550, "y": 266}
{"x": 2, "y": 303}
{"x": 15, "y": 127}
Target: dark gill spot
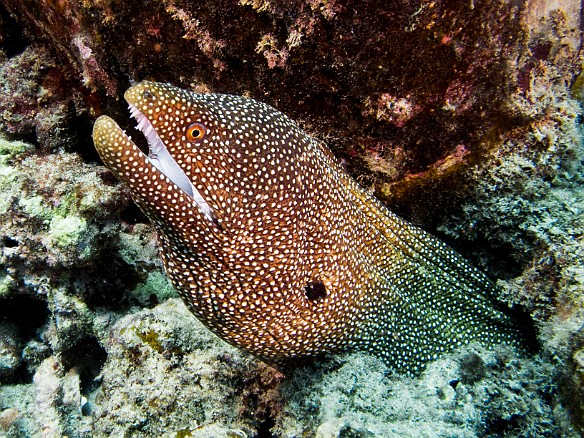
{"x": 315, "y": 291}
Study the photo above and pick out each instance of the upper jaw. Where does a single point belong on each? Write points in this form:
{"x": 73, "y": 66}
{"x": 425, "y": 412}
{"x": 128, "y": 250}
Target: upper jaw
{"x": 160, "y": 157}
{"x": 158, "y": 153}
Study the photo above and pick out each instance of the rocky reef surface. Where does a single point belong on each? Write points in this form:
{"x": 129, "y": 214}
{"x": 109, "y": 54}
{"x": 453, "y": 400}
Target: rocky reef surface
{"x": 464, "y": 117}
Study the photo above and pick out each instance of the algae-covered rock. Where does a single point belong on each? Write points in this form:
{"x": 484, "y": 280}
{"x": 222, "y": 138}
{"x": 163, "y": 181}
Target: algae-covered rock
{"x": 410, "y": 94}
{"x": 528, "y": 205}
{"x": 9, "y": 351}
{"x": 166, "y": 373}
{"x": 156, "y": 288}
{"x": 37, "y": 102}
{"x": 470, "y": 393}
{"x": 67, "y": 231}
{"x": 465, "y": 117}
{"x": 51, "y": 208}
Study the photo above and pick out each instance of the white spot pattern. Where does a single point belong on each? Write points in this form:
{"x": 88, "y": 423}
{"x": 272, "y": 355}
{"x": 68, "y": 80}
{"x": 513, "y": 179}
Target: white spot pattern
{"x": 300, "y": 261}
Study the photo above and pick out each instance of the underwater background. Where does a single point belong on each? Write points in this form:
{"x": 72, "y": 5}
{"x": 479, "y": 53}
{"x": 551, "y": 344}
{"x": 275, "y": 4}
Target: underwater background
{"x": 463, "y": 117}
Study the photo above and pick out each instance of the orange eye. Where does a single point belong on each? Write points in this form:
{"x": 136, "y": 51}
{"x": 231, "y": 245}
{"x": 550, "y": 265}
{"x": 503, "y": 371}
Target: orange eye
{"x": 195, "y": 132}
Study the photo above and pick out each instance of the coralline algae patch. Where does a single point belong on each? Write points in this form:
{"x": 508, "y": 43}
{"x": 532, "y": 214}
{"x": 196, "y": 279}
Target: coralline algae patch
{"x": 471, "y": 393}
{"x": 166, "y": 373}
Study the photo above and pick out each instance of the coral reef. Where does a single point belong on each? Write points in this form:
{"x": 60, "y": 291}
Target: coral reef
{"x": 359, "y": 77}
{"x": 532, "y": 184}
{"x": 167, "y": 373}
{"x": 36, "y": 101}
{"x": 464, "y": 117}
{"x": 471, "y": 393}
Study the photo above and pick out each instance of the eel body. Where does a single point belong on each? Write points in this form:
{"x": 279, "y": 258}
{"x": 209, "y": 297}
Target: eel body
{"x": 277, "y": 250}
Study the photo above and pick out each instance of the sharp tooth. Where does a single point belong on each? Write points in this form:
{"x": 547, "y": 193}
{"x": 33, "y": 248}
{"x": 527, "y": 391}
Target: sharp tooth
{"x": 168, "y": 166}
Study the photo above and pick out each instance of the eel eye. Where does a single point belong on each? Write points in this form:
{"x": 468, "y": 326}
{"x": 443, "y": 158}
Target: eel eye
{"x": 195, "y": 132}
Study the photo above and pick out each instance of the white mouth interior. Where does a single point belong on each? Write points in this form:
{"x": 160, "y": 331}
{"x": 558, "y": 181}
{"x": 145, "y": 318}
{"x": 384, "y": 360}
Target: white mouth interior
{"x": 161, "y": 159}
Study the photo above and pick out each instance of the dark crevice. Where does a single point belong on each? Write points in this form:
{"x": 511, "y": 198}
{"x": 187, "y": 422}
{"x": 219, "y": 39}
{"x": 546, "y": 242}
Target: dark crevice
{"x": 499, "y": 259}
{"x": 499, "y": 427}
{"x": 26, "y": 312}
{"x": 87, "y": 356}
{"x": 264, "y": 430}
{"x": 109, "y": 291}
{"x": 526, "y": 326}
{"x": 12, "y": 39}
{"x": 132, "y": 215}
{"x": 80, "y": 129}
{"x": 9, "y": 242}
{"x": 24, "y": 315}
{"x": 22, "y": 376}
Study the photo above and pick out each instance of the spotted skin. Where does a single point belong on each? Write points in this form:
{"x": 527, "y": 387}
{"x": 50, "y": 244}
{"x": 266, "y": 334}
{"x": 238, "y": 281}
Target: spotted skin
{"x": 294, "y": 259}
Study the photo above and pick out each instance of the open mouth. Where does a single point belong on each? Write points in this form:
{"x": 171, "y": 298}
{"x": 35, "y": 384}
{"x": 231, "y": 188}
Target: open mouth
{"x": 161, "y": 159}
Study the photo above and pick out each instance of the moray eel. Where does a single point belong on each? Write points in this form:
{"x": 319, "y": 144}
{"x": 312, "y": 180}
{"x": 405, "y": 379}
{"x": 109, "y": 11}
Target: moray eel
{"x": 277, "y": 250}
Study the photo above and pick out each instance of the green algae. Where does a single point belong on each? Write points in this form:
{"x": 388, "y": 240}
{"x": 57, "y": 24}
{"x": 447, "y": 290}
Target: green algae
{"x": 6, "y": 284}
{"x": 9, "y": 175}
{"x": 35, "y": 207}
{"x": 156, "y": 341}
{"x": 577, "y": 89}
{"x": 12, "y": 149}
{"x": 150, "y": 338}
{"x": 184, "y": 433}
{"x": 157, "y": 285}
{"x": 67, "y": 231}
